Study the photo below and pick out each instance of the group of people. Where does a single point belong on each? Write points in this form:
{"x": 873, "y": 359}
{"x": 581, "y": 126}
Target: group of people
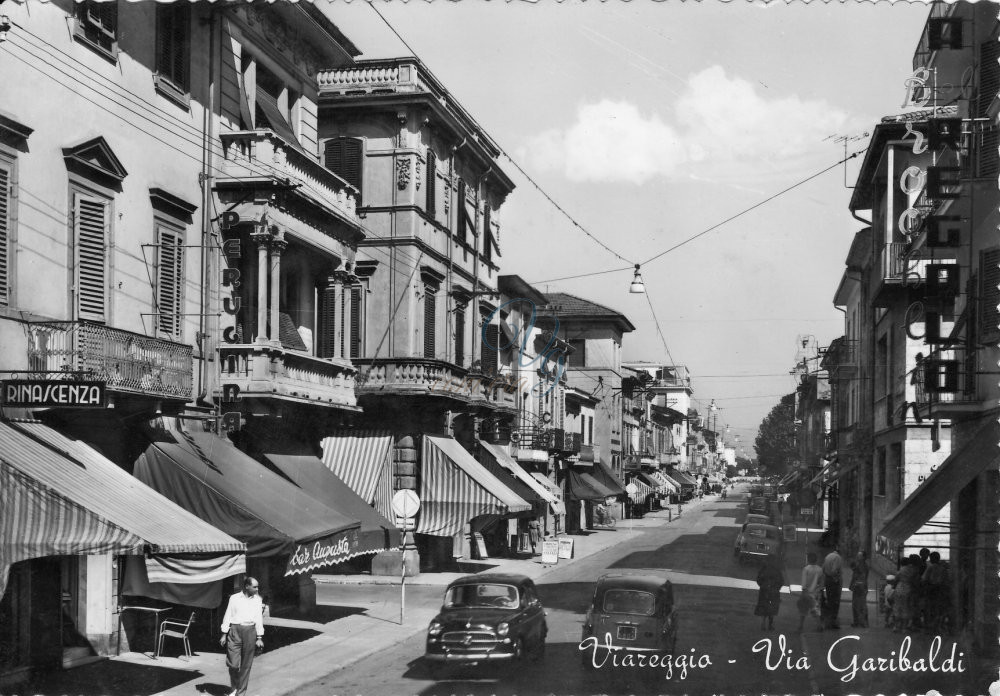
{"x": 822, "y": 587}
{"x": 917, "y": 595}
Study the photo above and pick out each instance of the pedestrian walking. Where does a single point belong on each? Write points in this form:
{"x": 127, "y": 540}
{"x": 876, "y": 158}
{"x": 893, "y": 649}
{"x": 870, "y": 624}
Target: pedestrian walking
{"x": 935, "y": 591}
{"x": 770, "y": 580}
{"x": 859, "y": 590}
{"x": 812, "y": 591}
{"x": 534, "y": 534}
{"x": 243, "y": 634}
{"x": 832, "y": 587}
{"x": 904, "y": 595}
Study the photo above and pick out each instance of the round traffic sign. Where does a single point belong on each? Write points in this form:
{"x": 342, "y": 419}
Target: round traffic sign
{"x": 405, "y": 503}
{"x": 631, "y": 489}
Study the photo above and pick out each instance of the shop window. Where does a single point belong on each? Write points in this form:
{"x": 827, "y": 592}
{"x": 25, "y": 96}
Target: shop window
{"x": 169, "y": 279}
{"x": 97, "y": 26}
{"x": 173, "y": 50}
{"x": 344, "y": 157}
{"x": 91, "y": 233}
{"x": 430, "y": 321}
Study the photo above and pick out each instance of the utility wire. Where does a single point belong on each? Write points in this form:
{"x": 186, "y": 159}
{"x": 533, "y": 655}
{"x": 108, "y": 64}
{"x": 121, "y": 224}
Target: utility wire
{"x": 658, "y": 329}
{"x": 514, "y": 162}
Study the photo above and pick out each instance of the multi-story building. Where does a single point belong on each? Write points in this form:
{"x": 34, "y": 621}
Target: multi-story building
{"x": 428, "y": 345}
{"x": 812, "y": 418}
{"x": 951, "y": 269}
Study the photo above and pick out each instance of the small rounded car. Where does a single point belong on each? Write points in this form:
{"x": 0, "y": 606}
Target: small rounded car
{"x": 758, "y": 542}
{"x": 755, "y": 518}
{"x": 631, "y": 611}
{"x": 488, "y": 617}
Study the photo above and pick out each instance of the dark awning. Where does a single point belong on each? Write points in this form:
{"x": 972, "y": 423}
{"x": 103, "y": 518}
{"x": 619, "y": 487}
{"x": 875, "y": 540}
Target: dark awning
{"x": 606, "y": 477}
{"x": 583, "y": 486}
{"x": 311, "y": 475}
{"x": 504, "y": 460}
{"x": 526, "y": 493}
{"x": 951, "y": 476}
{"x": 683, "y": 478}
{"x": 58, "y": 496}
{"x": 208, "y": 476}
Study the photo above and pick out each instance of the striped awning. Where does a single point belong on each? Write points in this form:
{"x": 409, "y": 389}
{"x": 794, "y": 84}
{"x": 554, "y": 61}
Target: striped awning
{"x": 505, "y": 460}
{"x": 362, "y": 460}
{"x": 61, "y": 497}
{"x": 650, "y": 481}
{"x": 552, "y": 487}
{"x": 643, "y": 491}
{"x": 667, "y": 483}
{"x": 454, "y": 488}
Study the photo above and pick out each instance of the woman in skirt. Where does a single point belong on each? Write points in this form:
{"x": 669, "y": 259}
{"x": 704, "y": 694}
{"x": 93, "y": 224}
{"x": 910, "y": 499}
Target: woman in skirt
{"x": 770, "y": 580}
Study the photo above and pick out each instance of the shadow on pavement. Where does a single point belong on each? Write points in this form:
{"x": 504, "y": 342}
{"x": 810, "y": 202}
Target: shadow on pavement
{"x": 321, "y": 613}
{"x": 109, "y": 677}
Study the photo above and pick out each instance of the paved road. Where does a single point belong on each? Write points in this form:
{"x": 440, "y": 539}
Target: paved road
{"x": 718, "y": 631}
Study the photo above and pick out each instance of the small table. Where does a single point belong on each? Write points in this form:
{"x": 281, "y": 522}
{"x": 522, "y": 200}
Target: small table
{"x": 156, "y": 611}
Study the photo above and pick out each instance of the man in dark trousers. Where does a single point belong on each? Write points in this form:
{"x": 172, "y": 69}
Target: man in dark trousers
{"x": 243, "y": 634}
{"x": 832, "y": 587}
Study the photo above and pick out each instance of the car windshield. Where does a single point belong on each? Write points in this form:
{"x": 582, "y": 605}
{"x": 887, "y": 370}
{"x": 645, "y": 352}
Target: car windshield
{"x": 483, "y": 595}
{"x": 762, "y": 532}
{"x": 629, "y": 602}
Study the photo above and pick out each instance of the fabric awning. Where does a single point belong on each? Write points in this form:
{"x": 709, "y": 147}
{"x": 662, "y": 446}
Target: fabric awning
{"x": 553, "y": 488}
{"x": 362, "y": 460}
{"x": 830, "y": 464}
{"x": 644, "y": 490}
{"x": 507, "y": 477}
{"x": 211, "y": 478}
{"x": 454, "y": 488}
{"x": 505, "y": 460}
{"x": 944, "y": 484}
{"x": 61, "y": 497}
{"x": 654, "y": 485}
{"x": 683, "y": 478}
{"x": 668, "y": 483}
{"x": 376, "y": 534}
{"x": 604, "y": 475}
{"x": 583, "y": 486}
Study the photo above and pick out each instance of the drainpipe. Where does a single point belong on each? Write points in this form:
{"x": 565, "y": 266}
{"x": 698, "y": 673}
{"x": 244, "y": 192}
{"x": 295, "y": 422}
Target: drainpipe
{"x": 206, "y": 223}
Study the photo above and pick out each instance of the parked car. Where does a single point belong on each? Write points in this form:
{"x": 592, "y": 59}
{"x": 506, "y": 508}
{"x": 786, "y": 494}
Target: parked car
{"x": 759, "y": 519}
{"x": 758, "y": 541}
{"x": 760, "y": 505}
{"x": 634, "y": 611}
{"x": 488, "y": 617}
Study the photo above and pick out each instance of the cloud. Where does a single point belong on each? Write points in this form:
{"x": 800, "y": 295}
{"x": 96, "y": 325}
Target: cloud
{"x": 720, "y": 127}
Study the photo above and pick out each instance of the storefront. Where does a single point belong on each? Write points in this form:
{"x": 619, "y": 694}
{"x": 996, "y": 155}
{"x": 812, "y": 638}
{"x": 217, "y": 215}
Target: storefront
{"x": 68, "y": 518}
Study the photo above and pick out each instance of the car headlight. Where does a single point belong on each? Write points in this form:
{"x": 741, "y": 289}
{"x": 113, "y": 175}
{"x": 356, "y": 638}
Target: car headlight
{"x": 434, "y": 629}
{"x": 503, "y": 628}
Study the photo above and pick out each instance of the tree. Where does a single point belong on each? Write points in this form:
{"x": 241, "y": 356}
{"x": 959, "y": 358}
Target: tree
{"x": 775, "y": 443}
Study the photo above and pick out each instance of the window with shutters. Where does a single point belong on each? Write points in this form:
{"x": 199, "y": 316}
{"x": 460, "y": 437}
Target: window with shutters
{"x": 488, "y": 241}
{"x": 460, "y": 336}
{"x": 357, "y": 321}
{"x": 173, "y": 50}
{"x": 344, "y": 157}
{"x": 490, "y": 337}
{"x": 462, "y": 214}
{"x": 8, "y": 192}
{"x": 986, "y": 154}
{"x": 96, "y": 26}
{"x": 989, "y": 316}
{"x": 430, "y": 204}
{"x": 274, "y": 105}
{"x": 328, "y": 321}
{"x": 430, "y": 321}
{"x": 169, "y": 280}
{"x": 578, "y": 356}
{"x": 91, "y": 232}
{"x": 989, "y": 75}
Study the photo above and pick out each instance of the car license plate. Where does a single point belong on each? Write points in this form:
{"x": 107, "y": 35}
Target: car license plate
{"x": 626, "y": 633}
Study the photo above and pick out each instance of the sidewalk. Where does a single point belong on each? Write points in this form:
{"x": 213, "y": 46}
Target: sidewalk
{"x": 335, "y": 638}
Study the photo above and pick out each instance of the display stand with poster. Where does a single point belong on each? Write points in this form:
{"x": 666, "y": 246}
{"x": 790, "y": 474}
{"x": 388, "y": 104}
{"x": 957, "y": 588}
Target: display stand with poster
{"x": 550, "y": 551}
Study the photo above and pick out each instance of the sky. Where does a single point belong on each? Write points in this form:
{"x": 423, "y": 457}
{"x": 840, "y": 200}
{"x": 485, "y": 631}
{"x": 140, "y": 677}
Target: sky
{"x": 650, "y": 123}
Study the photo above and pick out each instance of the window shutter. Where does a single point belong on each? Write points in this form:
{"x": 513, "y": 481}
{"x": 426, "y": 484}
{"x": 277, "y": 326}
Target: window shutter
{"x": 343, "y": 157}
{"x": 164, "y": 40}
{"x": 169, "y": 281}
{"x": 343, "y": 315}
{"x": 356, "y": 323}
{"x": 490, "y": 356}
{"x": 459, "y": 336}
{"x": 989, "y": 75}
{"x": 6, "y": 179}
{"x": 460, "y": 206}
{"x": 988, "y": 156}
{"x": 989, "y": 316}
{"x": 430, "y": 316}
{"x": 91, "y": 233}
{"x": 487, "y": 233}
{"x": 328, "y": 322}
{"x": 431, "y": 203}
{"x": 181, "y": 26}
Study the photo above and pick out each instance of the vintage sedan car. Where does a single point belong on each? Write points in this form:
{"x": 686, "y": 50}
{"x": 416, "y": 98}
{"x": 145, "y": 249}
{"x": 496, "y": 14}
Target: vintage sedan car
{"x": 631, "y": 611}
{"x": 759, "y": 505}
{"x": 758, "y": 542}
{"x": 759, "y": 519}
{"x": 488, "y": 617}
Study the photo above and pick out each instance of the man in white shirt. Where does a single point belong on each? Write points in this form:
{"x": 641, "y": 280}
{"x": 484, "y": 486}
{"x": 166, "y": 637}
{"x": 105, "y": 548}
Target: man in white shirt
{"x": 243, "y": 634}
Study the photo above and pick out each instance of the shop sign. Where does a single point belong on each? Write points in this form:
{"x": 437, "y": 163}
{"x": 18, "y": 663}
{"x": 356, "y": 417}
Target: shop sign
{"x": 327, "y": 551}
{"x": 40, "y": 393}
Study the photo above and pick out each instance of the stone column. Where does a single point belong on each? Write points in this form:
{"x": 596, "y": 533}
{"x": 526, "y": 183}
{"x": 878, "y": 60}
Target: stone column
{"x": 405, "y": 456}
{"x": 261, "y": 238}
{"x": 350, "y": 282}
{"x": 277, "y": 246}
{"x": 339, "y": 340}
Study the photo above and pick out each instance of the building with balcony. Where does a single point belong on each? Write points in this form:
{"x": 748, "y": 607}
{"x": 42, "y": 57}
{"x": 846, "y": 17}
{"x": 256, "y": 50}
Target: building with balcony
{"x": 428, "y": 345}
{"x": 954, "y": 322}
{"x": 670, "y": 387}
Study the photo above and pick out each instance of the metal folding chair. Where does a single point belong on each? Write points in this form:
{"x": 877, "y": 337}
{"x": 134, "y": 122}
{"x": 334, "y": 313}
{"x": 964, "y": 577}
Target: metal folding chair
{"x": 175, "y": 629}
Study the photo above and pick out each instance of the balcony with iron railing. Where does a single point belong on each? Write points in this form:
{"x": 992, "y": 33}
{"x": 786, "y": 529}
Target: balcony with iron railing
{"x": 130, "y": 363}
{"x": 268, "y": 371}
{"x": 262, "y": 156}
{"x": 946, "y": 383}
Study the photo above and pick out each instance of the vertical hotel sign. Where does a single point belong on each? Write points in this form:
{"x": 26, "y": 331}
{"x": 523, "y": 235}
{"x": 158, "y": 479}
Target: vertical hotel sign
{"x": 232, "y": 307}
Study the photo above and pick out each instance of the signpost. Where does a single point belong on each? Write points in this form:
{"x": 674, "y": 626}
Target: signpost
{"x": 405, "y": 504}
{"x": 631, "y": 489}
